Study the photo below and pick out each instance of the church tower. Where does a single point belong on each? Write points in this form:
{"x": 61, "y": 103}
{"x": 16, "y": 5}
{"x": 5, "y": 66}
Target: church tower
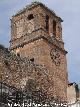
{"x": 36, "y": 32}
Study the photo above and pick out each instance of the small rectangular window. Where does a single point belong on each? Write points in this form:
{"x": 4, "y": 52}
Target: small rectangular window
{"x": 32, "y": 59}
{"x": 30, "y": 16}
{"x": 54, "y": 27}
{"x": 47, "y": 22}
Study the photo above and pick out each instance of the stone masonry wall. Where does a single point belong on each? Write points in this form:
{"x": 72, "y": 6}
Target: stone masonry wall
{"x": 40, "y": 51}
{"x": 17, "y": 71}
{"x": 39, "y": 23}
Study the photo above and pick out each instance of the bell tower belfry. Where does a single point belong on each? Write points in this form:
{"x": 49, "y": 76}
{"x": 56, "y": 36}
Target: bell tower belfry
{"x": 36, "y": 32}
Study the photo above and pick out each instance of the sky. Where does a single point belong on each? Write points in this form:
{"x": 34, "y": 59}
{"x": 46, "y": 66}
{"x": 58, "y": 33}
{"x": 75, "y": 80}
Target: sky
{"x": 68, "y": 10}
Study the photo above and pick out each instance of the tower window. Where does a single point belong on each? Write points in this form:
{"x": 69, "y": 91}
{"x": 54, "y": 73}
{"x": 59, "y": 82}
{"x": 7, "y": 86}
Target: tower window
{"x": 30, "y": 16}
{"x": 54, "y": 27}
{"x": 32, "y": 59}
{"x": 18, "y": 54}
{"x": 6, "y": 63}
{"x": 47, "y": 22}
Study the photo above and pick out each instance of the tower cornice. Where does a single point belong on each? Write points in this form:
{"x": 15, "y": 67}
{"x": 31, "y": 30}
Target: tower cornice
{"x": 48, "y": 39}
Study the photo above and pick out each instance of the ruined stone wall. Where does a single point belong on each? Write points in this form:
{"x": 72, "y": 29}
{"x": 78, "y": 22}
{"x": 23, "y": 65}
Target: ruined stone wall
{"x": 17, "y": 71}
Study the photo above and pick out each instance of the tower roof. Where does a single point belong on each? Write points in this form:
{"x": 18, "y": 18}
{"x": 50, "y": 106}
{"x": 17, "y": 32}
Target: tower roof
{"x": 34, "y": 4}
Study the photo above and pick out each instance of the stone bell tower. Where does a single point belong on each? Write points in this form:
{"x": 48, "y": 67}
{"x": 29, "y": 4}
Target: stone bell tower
{"x": 36, "y": 32}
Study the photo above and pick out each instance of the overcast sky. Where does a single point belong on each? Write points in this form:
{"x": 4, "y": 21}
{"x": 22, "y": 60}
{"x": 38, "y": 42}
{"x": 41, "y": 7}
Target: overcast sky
{"x": 68, "y": 10}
